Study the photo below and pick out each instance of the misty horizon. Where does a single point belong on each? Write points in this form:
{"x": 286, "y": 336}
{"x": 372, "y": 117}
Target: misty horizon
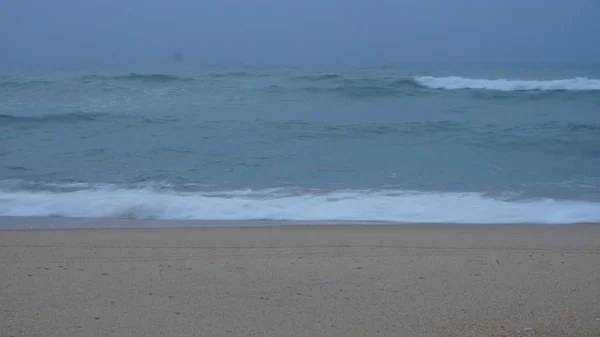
{"x": 311, "y": 32}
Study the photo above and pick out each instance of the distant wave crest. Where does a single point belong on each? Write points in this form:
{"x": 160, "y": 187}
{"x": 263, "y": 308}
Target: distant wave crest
{"x": 16, "y": 84}
{"x": 22, "y": 84}
{"x": 71, "y": 117}
{"x": 35, "y": 121}
{"x": 347, "y": 85}
{"x": 138, "y": 77}
{"x": 457, "y": 82}
{"x": 334, "y": 84}
{"x": 356, "y": 91}
{"x": 317, "y": 78}
{"x": 236, "y": 74}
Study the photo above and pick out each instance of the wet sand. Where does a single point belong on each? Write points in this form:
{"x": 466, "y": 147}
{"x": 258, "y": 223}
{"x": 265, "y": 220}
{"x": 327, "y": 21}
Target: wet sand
{"x": 370, "y": 280}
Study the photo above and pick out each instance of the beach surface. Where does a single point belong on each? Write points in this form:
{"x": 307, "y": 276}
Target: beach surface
{"x": 328, "y": 280}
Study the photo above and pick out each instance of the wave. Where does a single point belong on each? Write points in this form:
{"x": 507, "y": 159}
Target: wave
{"x": 356, "y": 91}
{"x": 240, "y": 74}
{"x": 317, "y": 78}
{"x": 16, "y": 168}
{"x": 351, "y": 87}
{"x": 11, "y": 83}
{"x": 550, "y": 137}
{"x": 304, "y": 129}
{"x": 72, "y": 117}
{"x": 456, "y": 82}
{"x": 110, "y": 201}
{"x": 137, "y": 77}
{"x": 80, "y": 117}
{"x": 395, "y": 85}
{"x": 424, "y": 85}
{"x": 337, "y": 84}
{"x": 169, "y": 78}
{"x": 424, "y": 127}
{"x": 16, "y": 84}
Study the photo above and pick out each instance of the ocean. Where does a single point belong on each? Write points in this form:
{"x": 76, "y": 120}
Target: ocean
{"x": 406, "y": 143}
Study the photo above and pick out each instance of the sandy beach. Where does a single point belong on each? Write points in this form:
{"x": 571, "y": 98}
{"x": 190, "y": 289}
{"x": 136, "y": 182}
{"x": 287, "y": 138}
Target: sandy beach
{"x": 369, "y": 280}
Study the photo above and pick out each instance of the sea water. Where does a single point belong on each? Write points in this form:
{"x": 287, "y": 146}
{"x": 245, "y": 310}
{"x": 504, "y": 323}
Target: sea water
{"x": 460, "y": 143}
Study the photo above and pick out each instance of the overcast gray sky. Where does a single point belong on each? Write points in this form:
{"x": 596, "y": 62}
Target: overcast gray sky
{"x": 299, "y": 31}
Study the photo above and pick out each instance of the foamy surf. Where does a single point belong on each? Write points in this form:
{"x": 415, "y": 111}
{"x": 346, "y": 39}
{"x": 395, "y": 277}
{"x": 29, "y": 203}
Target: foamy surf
{"x": 281, "y": 204}
{"x": 457, "y": 82}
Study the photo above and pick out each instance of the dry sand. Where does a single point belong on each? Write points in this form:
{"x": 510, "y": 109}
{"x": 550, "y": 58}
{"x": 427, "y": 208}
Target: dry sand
{"x": 408, "y": 280}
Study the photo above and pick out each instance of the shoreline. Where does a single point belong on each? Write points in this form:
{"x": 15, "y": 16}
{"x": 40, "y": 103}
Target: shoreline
{"x": 63, "y": 223}
{"x": 351, "y": 281}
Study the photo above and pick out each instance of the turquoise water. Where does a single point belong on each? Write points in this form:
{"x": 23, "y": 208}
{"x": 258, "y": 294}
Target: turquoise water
{"x": 405, "y": 143}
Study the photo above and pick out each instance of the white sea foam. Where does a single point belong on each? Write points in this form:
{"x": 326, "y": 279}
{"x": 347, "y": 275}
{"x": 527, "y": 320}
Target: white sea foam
{"x": 277, "y": 204}
{"x": 456, "y": 82}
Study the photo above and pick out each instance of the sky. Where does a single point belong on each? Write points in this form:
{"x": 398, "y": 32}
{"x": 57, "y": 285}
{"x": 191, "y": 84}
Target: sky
{"x": 299, "y": 32}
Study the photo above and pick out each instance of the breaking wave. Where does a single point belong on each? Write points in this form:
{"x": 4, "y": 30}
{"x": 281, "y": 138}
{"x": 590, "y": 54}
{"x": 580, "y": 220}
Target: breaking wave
{"x": 456, "y": 82}
{"x": 387, "y": 86}
{"x": 319, "y": 84}
{"x": 110, "y": 201}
